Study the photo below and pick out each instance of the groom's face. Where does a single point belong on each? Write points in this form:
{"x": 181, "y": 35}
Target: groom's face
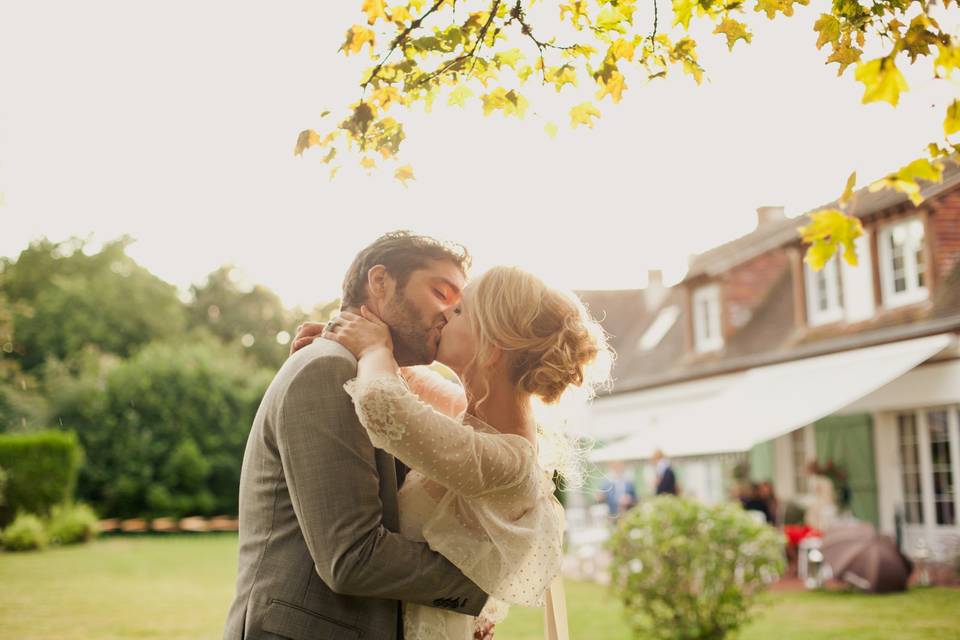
{"x": 417, "y": 312}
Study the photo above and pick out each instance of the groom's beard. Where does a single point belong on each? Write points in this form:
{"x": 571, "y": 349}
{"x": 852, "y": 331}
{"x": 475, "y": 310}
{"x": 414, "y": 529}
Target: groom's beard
{"x": 414, "y": 342}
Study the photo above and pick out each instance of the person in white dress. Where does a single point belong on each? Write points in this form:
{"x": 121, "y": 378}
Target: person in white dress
{"x": 477, "y": 492}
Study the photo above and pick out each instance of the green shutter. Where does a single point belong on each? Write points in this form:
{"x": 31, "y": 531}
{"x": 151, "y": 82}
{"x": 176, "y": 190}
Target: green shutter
{"x": 848, "y": 441}
{"x": 761, "y": 461}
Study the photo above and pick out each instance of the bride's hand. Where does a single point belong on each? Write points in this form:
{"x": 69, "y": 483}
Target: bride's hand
{"x": 361, "y": 334}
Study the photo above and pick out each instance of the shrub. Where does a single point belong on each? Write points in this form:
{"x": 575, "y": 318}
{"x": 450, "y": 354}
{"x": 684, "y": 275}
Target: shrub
{"x": 41, "y": 471}
{"x": 72, "y": 523}
{"x": 25, "y": 533}
{"x": 687, "y": 570}
{"x": 3, "y": 487}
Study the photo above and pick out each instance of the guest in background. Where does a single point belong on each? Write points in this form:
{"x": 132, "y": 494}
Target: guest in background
{"x": 618, "y": 490}
{"x": 666, "y": 480}
{"x": 769, "y": 498}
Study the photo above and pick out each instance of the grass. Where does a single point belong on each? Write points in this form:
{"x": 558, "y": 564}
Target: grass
{"x": 180, "y": 587}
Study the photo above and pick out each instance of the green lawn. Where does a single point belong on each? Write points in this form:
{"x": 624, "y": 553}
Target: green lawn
{"x": 180, "y": 587}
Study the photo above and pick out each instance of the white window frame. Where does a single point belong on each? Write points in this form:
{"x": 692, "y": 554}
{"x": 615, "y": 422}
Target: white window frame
{"x": 913, "y": 293}
{"x": 707, "y": 330}
{"x": 928, "y": 514}
{"x": 831, "y": 279}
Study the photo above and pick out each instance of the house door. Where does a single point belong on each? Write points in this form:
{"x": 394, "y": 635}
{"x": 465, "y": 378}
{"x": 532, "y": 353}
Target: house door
{"x": 929, "y": 458}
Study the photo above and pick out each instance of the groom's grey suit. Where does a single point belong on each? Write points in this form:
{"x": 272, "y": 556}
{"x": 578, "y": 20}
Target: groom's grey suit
{"x": 319, "y": 555}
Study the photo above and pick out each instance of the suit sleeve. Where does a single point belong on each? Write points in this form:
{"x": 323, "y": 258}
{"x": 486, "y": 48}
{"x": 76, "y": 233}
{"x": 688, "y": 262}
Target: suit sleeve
{"x": 331, "y": 473}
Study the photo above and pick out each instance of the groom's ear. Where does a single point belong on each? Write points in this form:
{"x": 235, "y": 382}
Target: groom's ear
{"x": 378, "y": 282}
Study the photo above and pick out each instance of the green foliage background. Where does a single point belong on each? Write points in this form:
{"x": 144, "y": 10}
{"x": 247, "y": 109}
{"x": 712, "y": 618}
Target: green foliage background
{"x": 160, "y": 391}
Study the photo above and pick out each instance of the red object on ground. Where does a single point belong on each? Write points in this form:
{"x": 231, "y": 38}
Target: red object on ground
{"x": 797, "y": 532}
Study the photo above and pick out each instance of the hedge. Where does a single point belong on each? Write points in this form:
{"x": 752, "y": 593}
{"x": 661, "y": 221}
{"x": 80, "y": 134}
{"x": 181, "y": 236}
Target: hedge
{"x": 41, "y": 471}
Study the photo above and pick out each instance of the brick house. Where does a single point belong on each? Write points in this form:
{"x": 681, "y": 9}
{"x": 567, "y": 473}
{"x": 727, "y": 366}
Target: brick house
{"x": 755, "y": 357}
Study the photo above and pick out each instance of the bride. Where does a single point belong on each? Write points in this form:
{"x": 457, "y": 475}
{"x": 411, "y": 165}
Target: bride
{"x": 477, "y": 491}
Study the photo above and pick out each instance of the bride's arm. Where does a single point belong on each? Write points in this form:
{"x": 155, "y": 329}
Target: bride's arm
{"x": 444, "y": 395}
{"x": 438, "y": 446}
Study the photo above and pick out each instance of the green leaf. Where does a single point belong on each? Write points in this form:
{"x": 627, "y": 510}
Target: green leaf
{"x": 882, "y": 81}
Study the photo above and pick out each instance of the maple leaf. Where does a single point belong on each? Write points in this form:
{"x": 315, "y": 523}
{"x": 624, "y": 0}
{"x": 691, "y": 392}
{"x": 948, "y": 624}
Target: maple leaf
{"x": 374, "y": 10}
{"x": 848, "y": 189}
{"x": 734, "y": 31}
{"x": 367, "y": 162}
{"x": 307, "y": 138}
{"x": 882, "y": 81}
{"x": 845, "y": 55}
{"x": 906, "y": 179}
{"x": 459, "y": 96}
{"x": 357, "y": 36}
{"x": 683, "y": 12}
{"x": 829, "y": 231}
{"x": 404, "y": 174}
{"x": 951, "y": 123}
{"x": 829, "y": 29}
{"x": 510, "y": 57}
{"x": 582, "y": 114}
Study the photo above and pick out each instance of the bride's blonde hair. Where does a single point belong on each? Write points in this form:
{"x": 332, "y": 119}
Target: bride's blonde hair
{"x": 550, "y": 342}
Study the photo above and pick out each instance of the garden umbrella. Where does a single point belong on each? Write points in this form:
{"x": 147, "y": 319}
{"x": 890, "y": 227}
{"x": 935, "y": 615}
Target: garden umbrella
{"x": 866, "y": 559}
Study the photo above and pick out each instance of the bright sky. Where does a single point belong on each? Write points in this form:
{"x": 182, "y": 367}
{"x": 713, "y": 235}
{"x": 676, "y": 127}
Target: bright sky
{"x": 175, "y": 124}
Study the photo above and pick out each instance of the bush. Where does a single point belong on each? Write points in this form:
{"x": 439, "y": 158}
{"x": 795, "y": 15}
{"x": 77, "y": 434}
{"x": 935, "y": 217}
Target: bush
{"x": 3, "y": 487}
{"x": 164, "y": 432}
{"x": 41, "y": 471}
{"x": 72, "y": 523}
{"x": 25, "y": 533}
{"x": 687, "y": 570}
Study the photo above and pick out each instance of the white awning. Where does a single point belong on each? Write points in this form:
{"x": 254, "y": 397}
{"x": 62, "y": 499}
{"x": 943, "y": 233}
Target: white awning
{"x": 766, "y": 402}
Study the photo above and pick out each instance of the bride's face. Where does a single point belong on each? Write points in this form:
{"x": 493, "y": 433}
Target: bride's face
{"x": 458, "y": 344}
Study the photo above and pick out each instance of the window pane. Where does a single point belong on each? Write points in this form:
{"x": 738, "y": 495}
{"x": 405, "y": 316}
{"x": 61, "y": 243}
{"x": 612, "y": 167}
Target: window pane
{"x": 909, "y": 467}
{"x": 942, "y": 471}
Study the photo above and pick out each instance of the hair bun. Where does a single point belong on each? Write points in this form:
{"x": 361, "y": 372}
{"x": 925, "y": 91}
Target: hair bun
{"x": 563, "y": 363}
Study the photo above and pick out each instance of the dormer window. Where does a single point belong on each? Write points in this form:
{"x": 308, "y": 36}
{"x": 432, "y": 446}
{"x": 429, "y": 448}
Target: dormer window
{"x": 824, "y": 295}
{"x": 707, "y": 335}
{"x": 902, "y": 268}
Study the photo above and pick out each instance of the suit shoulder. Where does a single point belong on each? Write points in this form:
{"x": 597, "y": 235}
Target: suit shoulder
{"x": 323, "y": 358}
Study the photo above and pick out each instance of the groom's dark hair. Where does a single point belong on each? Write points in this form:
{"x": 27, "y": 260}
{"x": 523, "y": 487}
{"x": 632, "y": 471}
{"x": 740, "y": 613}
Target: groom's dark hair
{"x": 401, "y": 253}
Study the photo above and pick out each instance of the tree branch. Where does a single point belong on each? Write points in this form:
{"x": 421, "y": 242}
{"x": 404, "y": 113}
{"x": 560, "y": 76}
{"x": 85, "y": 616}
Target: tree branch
{"x": 400, "y": 39}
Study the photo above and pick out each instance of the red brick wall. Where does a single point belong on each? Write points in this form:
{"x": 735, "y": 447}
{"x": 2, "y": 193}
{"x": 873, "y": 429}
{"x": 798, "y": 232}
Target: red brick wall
{"x": 746, "y": 285}
{"x": 944, "y": 227}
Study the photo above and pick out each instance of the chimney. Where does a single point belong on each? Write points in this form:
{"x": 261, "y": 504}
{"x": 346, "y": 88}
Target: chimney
{"x": 766, "y": 215}
{"x": 654, "y": 293}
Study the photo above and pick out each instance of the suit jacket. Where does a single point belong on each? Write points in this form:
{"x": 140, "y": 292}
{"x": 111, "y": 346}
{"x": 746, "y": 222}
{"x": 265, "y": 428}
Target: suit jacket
{"x": 319, "y": 556}
{"x": 667, "y": 482}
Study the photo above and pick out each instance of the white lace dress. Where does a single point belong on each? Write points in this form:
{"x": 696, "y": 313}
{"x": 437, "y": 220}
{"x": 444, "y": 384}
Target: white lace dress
{"x": 475, "y": 495}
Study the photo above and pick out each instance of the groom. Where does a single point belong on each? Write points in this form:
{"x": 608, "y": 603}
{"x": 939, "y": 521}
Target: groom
{"x": 320, "y": 557}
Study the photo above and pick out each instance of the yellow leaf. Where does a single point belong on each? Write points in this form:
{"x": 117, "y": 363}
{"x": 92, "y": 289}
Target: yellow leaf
{"x": 357, "y": 36}
{"x": 560, "y": 76}
{"x": 400, "y": 15}
{"x": 622, "y": 49}
{"x": 510, "y": 57}
{"x": 844, "y": 55}
{"x": 683, "y": 12}
{"x": 367, "y": 162}
{"x": 577, "y": 10}
{"x": 307, "y": 138}
{"x": 374, "y": 10}
{"x": 582, "y": 114}
{"x": 848, "y": 189}
{"x": 906, "y": 179}
{"x": 459, "y": 96}
{"x": 829, "y": 231}
{"x": 882, "y": 80}
{"x": 333, "y": 172}
{"x": 551, "y": 129}
{"x": 829, "y": 29}
{"x": 613, "y": 85}
{"x": 385, "y": 96}
{"x": 404, "y": 173}
{"x": 948, "y": 59}
{"x": 952, "y": 122}
{"x": 734, "y": 30}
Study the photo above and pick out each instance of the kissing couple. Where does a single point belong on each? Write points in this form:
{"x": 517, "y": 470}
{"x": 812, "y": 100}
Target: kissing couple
{"x": 380, "y": 500}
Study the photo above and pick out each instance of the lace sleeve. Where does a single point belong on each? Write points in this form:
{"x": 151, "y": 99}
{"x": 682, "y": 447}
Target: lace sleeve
{"x": 442, "y": 448}
{"x": 444, "y": 395}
